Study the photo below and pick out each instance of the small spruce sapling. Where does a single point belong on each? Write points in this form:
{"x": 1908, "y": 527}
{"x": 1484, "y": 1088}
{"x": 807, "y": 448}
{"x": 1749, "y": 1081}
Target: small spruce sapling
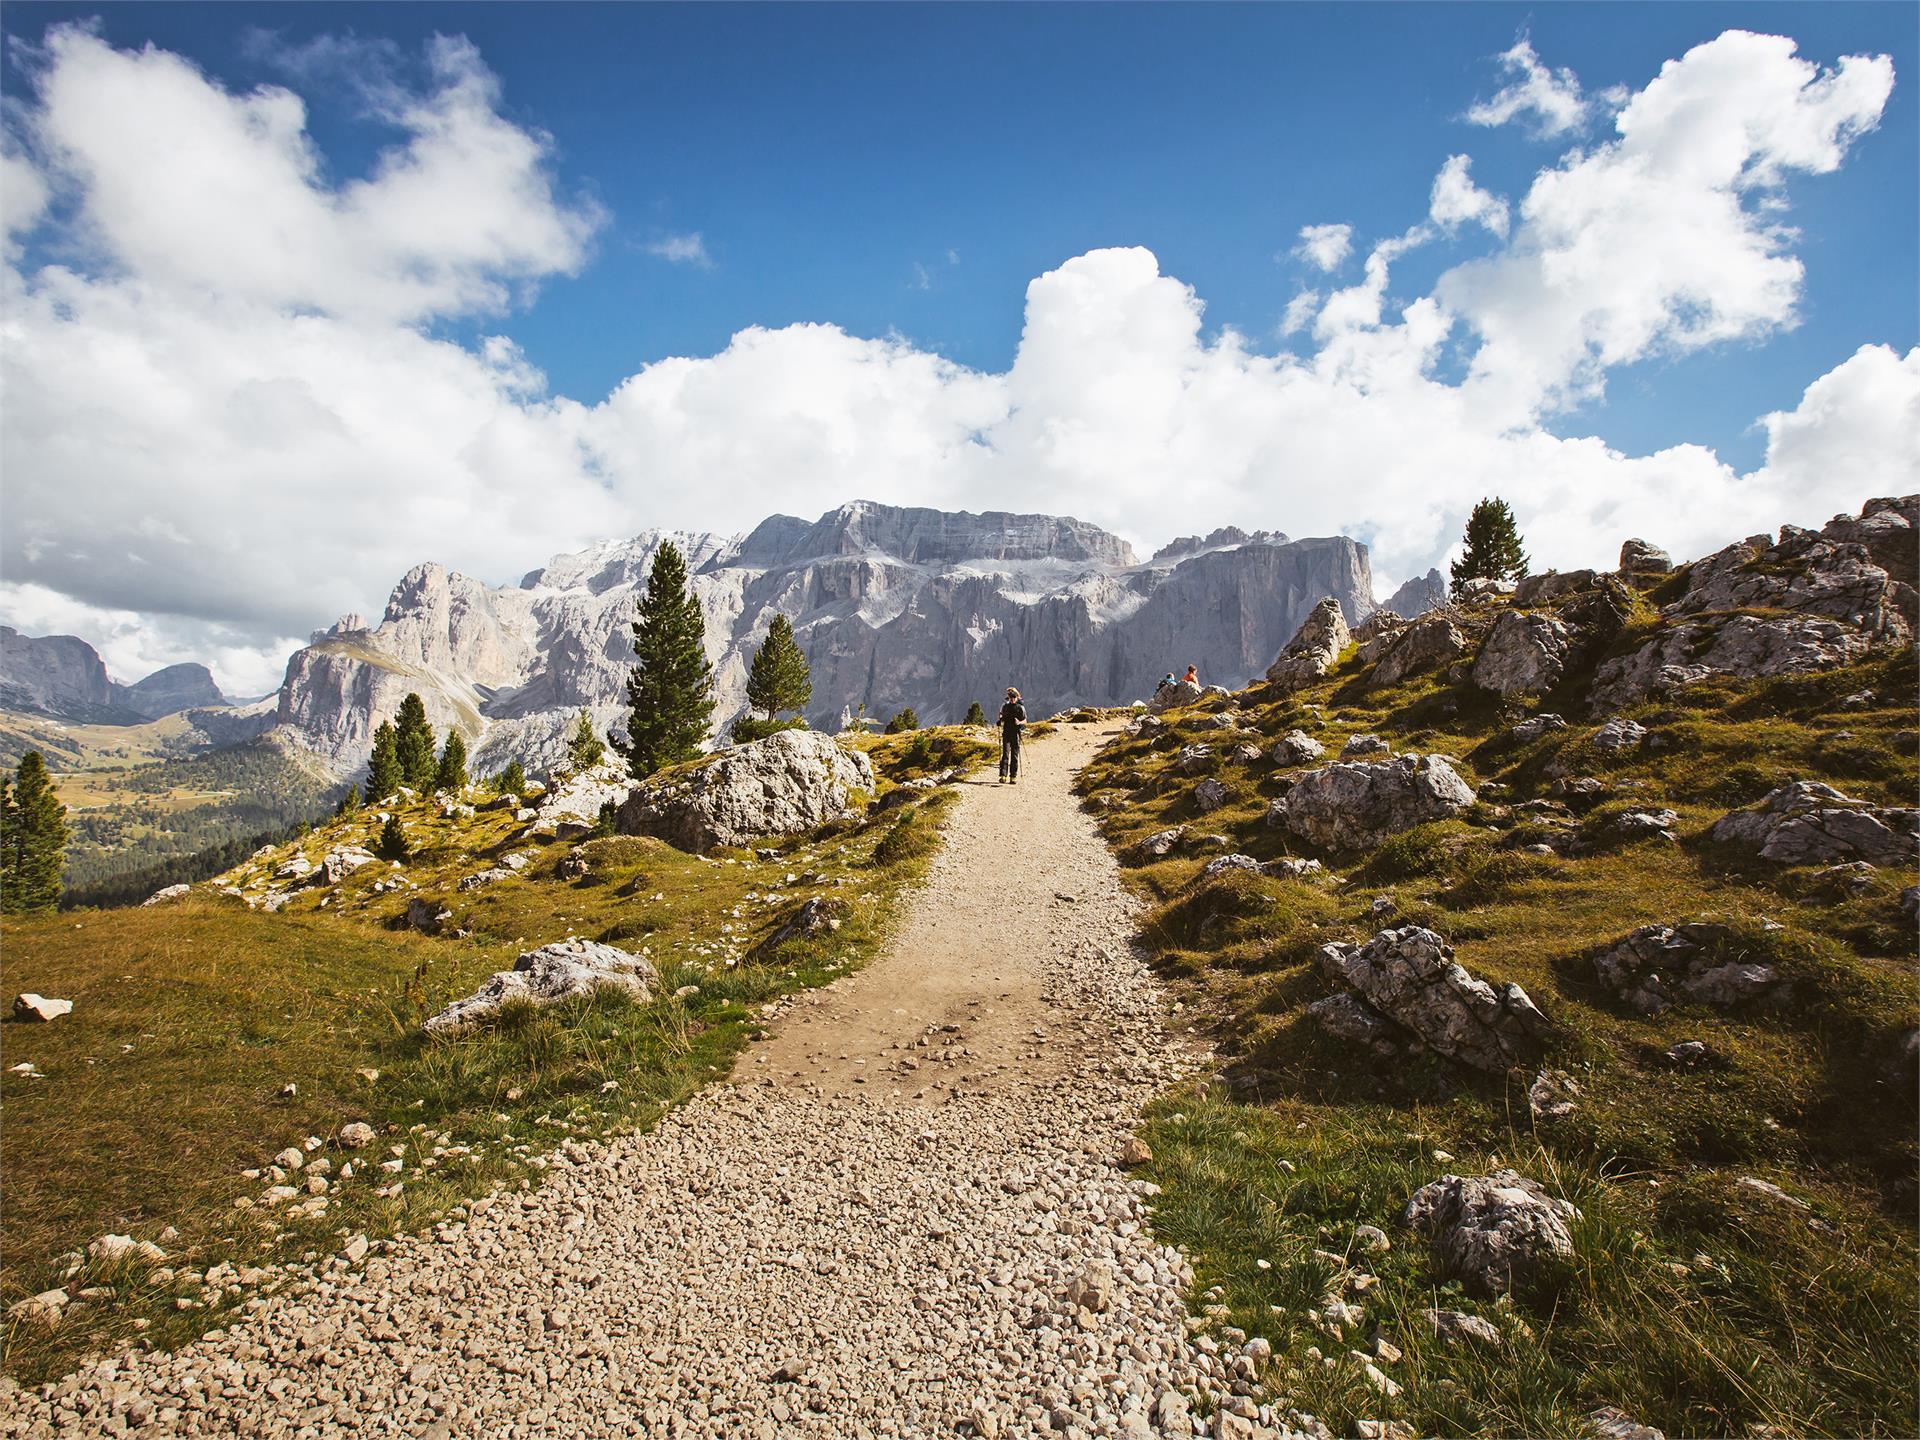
{"x": 585, "y": 749}
{"x": 393, "y": 841}
{"x": 975, "y": 715}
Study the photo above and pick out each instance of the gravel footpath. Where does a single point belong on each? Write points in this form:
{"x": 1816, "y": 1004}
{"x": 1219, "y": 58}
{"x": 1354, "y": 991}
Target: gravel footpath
{"x": 935, "y": 1241}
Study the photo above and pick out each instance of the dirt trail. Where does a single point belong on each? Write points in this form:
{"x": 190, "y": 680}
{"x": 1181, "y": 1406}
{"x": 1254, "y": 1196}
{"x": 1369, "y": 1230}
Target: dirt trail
{"x": 960, "y": 993}
{"x": 934, "y": 1241}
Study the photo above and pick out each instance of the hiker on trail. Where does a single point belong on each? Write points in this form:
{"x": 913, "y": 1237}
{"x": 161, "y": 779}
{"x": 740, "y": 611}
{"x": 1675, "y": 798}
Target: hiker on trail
{"x": 1192, "y": 676}
{"x": 1012, "y": 716}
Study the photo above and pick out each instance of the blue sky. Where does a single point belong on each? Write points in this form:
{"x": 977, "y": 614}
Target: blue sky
{"x": 229, "y": 301}
{"x": 833, "y": 157}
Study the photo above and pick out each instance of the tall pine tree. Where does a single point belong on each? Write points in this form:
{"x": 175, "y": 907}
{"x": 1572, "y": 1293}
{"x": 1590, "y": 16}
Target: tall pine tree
{"x": 413, "y": 745}
{"x": 383, "y": 765}
{"x": 1493, "y": 546}
{"x": 451, "y": 773}
{"x": 670, "y": 692}
{"x": 33, "y": 840}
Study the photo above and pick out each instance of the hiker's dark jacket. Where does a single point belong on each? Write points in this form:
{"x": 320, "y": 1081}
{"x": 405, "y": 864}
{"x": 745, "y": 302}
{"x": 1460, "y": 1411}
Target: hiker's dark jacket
{"x": 1012, "y": 716}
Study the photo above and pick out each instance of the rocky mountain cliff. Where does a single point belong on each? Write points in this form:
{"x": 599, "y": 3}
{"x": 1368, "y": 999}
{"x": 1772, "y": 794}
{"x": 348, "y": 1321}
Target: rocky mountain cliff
{"x": 62, "y": 676}
{"x": 894, "y": 606}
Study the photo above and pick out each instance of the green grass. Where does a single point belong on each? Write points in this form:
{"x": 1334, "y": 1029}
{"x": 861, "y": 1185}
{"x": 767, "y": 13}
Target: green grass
{"x": 1800, "y": 1320}
{"x": 164, "y": 1085}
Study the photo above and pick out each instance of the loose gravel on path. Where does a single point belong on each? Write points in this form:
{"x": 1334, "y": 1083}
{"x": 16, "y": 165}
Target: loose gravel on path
{"x": 902, "y": 1217}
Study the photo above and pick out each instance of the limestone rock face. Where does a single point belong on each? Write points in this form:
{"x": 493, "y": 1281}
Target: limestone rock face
{"x": 547, "y": 975}
{"x": 893, "y": 606}
{"x": 1419, "y": 595}
{"x": 1523, "y": 653}
{"x": 1490, "y": 1231}
{"x": 167, "y": 893}
{"x": 1410, "y": 977}
{"x": 1435, "y": 639}
{"x": 1808, "y": 823}
{"x": 782, "y": 785}
{"x": 1345, "y": 806}
{"x": 1314, "y": 649}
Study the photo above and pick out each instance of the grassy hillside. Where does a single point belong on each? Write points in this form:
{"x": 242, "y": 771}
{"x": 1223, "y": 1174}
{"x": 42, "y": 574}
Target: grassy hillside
{"x": 169, "y": 1080}
{"x": 1695, "y": 1302}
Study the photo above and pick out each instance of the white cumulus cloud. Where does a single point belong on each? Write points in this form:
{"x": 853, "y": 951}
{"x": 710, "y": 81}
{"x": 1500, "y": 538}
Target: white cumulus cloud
{"x": 1455, "y": 200}
{"x": 1548, "y": 100}
{"x": 222, "y": 431}
{"x": 1325, "y": 245}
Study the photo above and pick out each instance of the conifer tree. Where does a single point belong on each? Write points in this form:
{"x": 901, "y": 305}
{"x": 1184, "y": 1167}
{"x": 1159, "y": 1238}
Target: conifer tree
{"x": 512, "y": 780}
{"x": 349, "y": 801}
{"x": 413, "y": 745}
{"x": 907, "y": 719}
{"x": 975, "y": 715}
{"x": 779, "y": 679}
{"x": 585, "y": 749}
{"x": 383, "y": 765}
{"x": 1493, "y": 546}
{"x": 451, "y": 773}
{"x": 670, "y": 691}
{"x": 392, "y": 844}
{"x": 33, "y": 840}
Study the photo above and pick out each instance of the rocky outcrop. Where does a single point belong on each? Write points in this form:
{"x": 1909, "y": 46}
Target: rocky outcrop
{"x": 546, "y": 976}
{"x": 1171, "y": 697}
{"x": 1639, "y": 557}
{"x": 1435, "y": 639}
{"x": 1554, "y": 585}
{"x": 572, "y": 807}
{"x": 1808, "y": 823}
{"x": 1315, "y": 647}
{"x": 1492, "y": 1232}
{"x": 1523, "y": 653}
{"x": 1409, "y": 976}
{"x": 1282, "y": 869}
{"x": 785, "y": 784}
{"x": 892, "y": 606}
{"x": 1741, "y": 646}
{"x": 1810, "y": 600}
{"x": 1657, "y": 966}
{"x": 1346, "y": 806}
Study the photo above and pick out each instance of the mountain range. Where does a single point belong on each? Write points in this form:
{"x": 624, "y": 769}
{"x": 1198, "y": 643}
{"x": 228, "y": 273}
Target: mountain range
{"x": 894, "y": 607}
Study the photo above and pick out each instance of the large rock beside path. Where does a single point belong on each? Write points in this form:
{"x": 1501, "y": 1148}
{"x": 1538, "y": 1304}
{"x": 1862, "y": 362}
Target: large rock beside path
{"x": 785, "y": 784}
{"x": 1346, "y": 806}
{"x": 1315, "y": 648}
{"x": 548, "y": 975}
{"x": 1492, "y": 1232}
{"x": 1410, "y": 977}
{"x": 1169, "y": 696}
{"x": 1810, "y": 823}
